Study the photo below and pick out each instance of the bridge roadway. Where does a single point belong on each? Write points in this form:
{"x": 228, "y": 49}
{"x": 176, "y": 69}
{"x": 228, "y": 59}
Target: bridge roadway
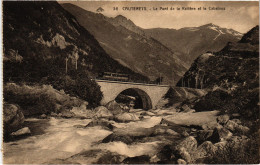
{"x": 150, "y": 94}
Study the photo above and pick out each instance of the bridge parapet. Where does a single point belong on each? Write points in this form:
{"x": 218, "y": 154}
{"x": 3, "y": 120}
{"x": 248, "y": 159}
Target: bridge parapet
{"x": 129, "y": 82}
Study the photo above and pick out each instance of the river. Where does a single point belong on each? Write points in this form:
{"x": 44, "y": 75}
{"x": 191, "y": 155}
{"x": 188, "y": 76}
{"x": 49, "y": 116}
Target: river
{"x": 61, "y": 138}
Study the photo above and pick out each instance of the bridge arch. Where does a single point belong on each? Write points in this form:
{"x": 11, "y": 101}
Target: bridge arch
{"x": 143, "y": 101}
{"x": 150, "y": 93}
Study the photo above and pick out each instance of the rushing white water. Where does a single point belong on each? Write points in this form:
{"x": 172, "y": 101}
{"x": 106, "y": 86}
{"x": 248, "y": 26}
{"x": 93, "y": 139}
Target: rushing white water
{"x": 138, "y": 149}
{"x": 63, "y": 138}
{"x": 146, "y": 123}
{"x": 60, "y": 140}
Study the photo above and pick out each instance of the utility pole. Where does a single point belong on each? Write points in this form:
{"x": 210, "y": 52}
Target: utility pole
{"x": 172, "y": 77}
{"x": 76, "y": 58}
{"x": 16, "y": 53}
{"x": 66, "y": 61}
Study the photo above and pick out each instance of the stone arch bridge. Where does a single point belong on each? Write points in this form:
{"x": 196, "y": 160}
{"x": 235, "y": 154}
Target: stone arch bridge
{"x": 150, "y": 94}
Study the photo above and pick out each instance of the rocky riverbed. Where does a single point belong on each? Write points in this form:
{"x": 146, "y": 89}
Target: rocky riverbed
{"x": 137, "y": 136}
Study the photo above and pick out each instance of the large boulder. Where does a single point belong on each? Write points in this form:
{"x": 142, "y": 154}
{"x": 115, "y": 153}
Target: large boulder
{"x": 181, "y": 161}
{"x": 234, "y": 126}
{"x": 114, "y": 107}
{"x": 127, "y": 117}
{"x": 159, "y": 130}
{"x": 222, "y": 119}
{"x": 206, "y": 149}
{"x": 203, "y": 135}
{"x": 186, "y": 109}
{"x": 13, "y": 118}
{"x": 43, "y": 116}
{"x": 238, "y": 141}
{"x": 102, "y": 112}
{"x": 185, "y": 155}
{"x": 189, "y": 143}
{"x": 164, "y": 156}
{"x": 94, "y": 156}
{"x": 20, "y": 132}
{"x": 67, "y": 114}
{"x": 143, "y": 159}
{"x": 103, "y": 123}
{"x": 82, "y": 111}
{"x": 118, "y": 137}
{"x": 221, "y": 145}
{"x": 220, "y": 134}
{"x": 147, "y": 113}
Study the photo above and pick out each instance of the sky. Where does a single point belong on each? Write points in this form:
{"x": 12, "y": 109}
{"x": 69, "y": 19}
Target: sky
{"x": 238, "y": 15}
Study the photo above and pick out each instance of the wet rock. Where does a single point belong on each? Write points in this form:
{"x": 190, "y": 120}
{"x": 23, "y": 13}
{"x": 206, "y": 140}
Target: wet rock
{"x": 186, "y": 109}
{"x": 102, "y": 112}
{"x": 234, "y": 126}
{"x": 114, "y": 107}
{"x": 103, "y": 123}
{"x": 236, "y": 121}
{"x": 237, "y": 141}
{"x": 189, "y": 143}
{"x": 67, "y": 114}
{"x": 172, "y": 132}
{"x": 60, "y": 161}
{"x": 165, "y": 155}
{"x": 154, "y": 160}
{"x": 13, "y": 118}
{"x": 181, "y": 161}
{"x": 82, "y": 112}
{"x": 231, "y": 125}
{"x": 144, "y": 159}
{"x": 220, "y": 145}
{"x": 118, "y": 137}
{"x": 96, "y": 156}
{"x": 43, "y": 116}
{"x": 185, "y": 133}
{"x": 211, "y": 126}
{"x": 243, "y": 129}
{"x": 134, "y": 132}
{"x": 203, "y": 135}
{"x": 79, "y": 126}
{"x": 23, "y": 131}
{"x": 184, "y": 154}
{"x": 127, "y": 117}
{"x": 110, "y": 158}
{"x": 222, "y": 119}
{"x": 164, "y": 112}
{"x": 54, "y": 114}
{"x": 219, "y": 134}
{"x": 163, "y": 139}
{"x": 147, "y": 113}
{"x": 160, "y": 130}
{"x": 206, "y": 149}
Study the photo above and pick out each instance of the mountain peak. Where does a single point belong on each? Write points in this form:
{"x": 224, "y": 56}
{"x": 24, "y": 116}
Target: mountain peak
{"x": 210, "y": 25}
{"x": 120, "y": 17}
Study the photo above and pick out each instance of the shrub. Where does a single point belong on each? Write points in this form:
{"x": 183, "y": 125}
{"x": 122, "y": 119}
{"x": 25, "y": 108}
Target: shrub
{"x": 78, "y": 85}
{"x": 88, "y": 90}
{"x": 242, "y": 154}
{"x": 30, "y": 103}
{"x": 212, "y": 101}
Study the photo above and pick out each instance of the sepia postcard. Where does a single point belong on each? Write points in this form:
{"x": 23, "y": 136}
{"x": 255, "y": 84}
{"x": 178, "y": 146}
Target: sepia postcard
{"x": 130, "y": 82}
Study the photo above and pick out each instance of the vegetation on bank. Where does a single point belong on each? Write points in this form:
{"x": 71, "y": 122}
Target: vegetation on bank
{"x": 50, "y": 47}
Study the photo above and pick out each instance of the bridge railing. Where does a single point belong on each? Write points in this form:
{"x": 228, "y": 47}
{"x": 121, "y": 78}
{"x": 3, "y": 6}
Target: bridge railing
{"x": 130, "y": 82}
